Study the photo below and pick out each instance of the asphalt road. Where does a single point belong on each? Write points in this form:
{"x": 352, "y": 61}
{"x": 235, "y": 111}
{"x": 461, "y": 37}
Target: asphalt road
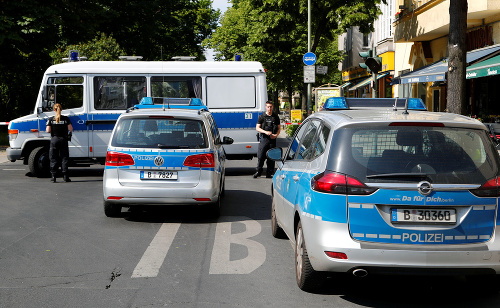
{"x": 57, "y": 249}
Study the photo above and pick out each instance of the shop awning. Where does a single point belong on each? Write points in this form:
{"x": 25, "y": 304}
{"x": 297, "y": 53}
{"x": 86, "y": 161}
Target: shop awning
{"x": 434, "y": 72}
{"x": 437, "y": 70}
{"x": 485, "y": 68}
{"x": 367, "y": 81}
{"x": 345, "y": 84}
{"x": 361, "y": 84}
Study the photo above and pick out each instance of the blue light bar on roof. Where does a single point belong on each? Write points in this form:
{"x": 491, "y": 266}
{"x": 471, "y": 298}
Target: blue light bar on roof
{"x": 169, "y": 103}
{"x": 416, "y": 104}
{"x": 334, "y": 103}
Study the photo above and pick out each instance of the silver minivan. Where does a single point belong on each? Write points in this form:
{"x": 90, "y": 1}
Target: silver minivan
{"x": 165, "y": 155}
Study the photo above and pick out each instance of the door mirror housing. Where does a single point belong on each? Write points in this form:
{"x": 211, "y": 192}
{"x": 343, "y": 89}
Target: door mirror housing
{"x": 275, "y": 154}
{"x": 227, "y": 140}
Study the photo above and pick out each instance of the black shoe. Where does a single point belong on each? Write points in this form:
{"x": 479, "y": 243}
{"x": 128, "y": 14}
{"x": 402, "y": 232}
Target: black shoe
{"x": 53, "y": 179}
{"x": 66, "y": 178}
{"x": 256, "y": 175}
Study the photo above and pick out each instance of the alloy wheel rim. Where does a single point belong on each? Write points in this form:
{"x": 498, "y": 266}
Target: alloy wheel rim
{"x": 299, "y": 252}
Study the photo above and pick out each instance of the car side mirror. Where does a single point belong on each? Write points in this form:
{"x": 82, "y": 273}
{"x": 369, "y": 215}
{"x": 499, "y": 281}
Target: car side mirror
{"x": 275, "y": 154}
{"x": 227, "y": 140}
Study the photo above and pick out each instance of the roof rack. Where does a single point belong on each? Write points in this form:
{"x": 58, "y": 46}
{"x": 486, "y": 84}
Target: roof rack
{"x": 170, "y": 103}
{"x": 343, "y": 103}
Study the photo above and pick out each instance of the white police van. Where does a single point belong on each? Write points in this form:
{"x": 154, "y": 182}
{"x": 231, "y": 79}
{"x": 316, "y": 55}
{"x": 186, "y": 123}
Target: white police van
{"x": 373, "y": 186}
{"x": 165, "y": 151}
{"x": 94, "y": 93}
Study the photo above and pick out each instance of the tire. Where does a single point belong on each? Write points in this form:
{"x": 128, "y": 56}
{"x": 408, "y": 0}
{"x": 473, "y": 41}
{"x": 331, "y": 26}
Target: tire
{"x": 215, "y": 208}
{"x": 112, "y": 210}
{"x": 39, "y": 162}
{"x": 276, "y": 230}
{"x": 307, "y": 278}
{"x": 223, "y": 187}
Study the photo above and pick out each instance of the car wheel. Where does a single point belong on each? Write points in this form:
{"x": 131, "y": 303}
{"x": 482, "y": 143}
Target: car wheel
{"x": 276, "y": 230}
{"x": 223, "y": 187}
{"x": 215, "y": 208}
{"x": 307, "y": 278}
{"x": 39, "y": 162}
{"x": 112, "y": 210}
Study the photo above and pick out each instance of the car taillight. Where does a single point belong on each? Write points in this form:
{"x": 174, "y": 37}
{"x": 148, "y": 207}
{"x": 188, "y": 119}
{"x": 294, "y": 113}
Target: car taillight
{"x": 119, "y": 159}
{"x": 336, "y": 183}
{"x": 200, "y": 161}
{"x": 13, "y": 134}
{"x": 488, "y": 189}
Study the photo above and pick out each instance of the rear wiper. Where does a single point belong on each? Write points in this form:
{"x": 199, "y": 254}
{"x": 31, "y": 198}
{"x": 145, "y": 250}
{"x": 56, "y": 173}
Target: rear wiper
{"x": 398, "y": 175}
{"x": 164, "y": 146}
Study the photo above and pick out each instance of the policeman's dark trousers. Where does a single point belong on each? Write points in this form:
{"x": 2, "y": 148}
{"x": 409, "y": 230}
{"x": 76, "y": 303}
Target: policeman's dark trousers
{"x": 264, "y": 146}
{"x": 58, "y": 152}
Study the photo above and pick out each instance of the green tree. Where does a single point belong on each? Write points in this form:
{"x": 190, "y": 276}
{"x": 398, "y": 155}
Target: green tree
{"x": 32, "y": 31}
{"x": 274, "y": 32}
{"x": 101, "y": 48}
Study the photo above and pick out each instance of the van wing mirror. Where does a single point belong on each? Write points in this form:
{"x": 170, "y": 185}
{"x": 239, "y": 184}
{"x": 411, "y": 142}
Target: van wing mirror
{"x": 275, "y": 154}
{"x": 227, "y": 140}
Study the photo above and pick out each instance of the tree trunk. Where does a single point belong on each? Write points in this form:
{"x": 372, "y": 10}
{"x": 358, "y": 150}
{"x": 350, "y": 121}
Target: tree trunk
{"x": 456, "y": 101}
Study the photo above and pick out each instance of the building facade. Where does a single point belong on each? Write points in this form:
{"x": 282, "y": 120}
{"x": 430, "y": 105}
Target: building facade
{"x": 358, "y": 81}
{"x": 421, "y": 30}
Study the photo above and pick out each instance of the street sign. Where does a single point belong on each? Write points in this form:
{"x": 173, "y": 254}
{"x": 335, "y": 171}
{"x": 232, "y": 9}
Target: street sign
{"x": 309, "y": 74}
{"x": 309, "y": 58}
{"x": 321, "y": 70}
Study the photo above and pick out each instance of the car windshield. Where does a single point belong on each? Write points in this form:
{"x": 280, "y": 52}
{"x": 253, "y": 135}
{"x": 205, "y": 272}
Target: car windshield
{"x": 403, "y": 153}
{"x": 163, "y": 133}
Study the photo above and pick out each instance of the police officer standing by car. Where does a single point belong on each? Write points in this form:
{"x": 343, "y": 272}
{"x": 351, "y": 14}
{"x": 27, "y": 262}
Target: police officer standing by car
{"x": 268, "y": 128}
{"x": 58, "y": 127}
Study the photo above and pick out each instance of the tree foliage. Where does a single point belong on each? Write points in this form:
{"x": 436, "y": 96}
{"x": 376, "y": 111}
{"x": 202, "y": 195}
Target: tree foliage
{"x": 34, "y": 31}
{"x": 274, "y": 32}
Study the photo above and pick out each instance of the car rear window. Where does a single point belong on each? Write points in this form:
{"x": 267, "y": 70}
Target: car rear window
{"x": 160, "y": 133}
{"x": 439, "y": 154}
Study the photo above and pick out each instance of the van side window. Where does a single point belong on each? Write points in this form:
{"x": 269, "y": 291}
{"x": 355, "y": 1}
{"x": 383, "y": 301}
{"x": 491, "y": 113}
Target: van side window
{"x": 68, "y": 91}
{"x": 118, "y": 92}
{"x": 177, "y": 86}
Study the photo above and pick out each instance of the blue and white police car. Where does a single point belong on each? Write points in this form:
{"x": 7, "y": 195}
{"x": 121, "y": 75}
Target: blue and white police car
{"x": 383, "y": 186}
{"x": 164, "y": 151}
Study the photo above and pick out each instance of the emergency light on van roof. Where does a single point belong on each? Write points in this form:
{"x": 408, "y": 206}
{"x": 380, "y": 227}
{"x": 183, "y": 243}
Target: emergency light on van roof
{"x": 339, "y": 103}
{"x": 169, "y": 103}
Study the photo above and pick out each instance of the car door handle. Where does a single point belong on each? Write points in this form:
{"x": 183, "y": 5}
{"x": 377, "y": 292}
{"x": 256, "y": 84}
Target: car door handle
{"x": 296, "y": 178}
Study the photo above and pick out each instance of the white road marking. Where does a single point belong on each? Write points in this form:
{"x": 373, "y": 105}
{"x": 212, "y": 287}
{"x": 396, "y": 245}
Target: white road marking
{"x": 221, "y": 263}
{"x": 153, "y": 258}
{"x": 13, "y": 169}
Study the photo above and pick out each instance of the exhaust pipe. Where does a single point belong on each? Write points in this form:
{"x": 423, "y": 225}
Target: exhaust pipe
{"x": 360, "y": 273}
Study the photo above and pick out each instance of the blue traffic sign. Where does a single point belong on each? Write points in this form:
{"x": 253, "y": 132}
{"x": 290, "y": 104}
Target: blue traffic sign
{"x": 309, "y": 58}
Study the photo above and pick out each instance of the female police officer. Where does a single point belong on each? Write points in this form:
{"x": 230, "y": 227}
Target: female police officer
{"x": 58, "y": 127}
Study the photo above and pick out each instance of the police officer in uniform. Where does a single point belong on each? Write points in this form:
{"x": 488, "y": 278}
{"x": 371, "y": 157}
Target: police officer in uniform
{"x": 58, "y": 127}
{"x": 268, "y": 126}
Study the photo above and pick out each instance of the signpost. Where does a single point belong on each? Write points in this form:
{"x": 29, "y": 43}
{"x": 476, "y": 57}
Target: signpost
{"x": 309, "y": 75}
